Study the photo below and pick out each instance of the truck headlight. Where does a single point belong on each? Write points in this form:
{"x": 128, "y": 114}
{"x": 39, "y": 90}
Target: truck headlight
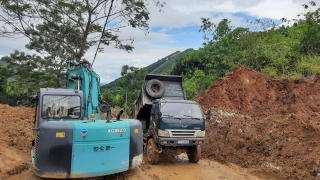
{"x": 163, "y": 133}
{"x": 201, "y": 134}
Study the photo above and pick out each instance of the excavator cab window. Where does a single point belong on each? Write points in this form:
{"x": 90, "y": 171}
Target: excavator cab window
{"x": 61, "y": 107}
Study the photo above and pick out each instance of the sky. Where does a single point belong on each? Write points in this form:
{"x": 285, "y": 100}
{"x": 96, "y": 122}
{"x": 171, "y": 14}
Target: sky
{"x": 175, "y": 28}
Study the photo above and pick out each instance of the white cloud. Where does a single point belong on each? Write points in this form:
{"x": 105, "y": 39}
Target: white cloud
{"x": 278, "y": 9}
{"x": 183, "y": 13}
{"x": 8, "y": 45}
{"x": 138, "y": 63}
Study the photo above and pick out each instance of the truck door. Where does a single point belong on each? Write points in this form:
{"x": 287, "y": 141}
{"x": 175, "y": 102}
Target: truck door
{"x": 152, "y": 116}
{"x": 154, "y": 119}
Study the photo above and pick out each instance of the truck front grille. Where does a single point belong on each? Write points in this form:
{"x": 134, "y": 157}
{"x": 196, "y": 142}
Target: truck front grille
{"x": 182, "y": 133}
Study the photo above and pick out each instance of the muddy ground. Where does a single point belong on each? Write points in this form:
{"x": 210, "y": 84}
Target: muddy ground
{"x": 261, "y": 128}
{"x": 15, "y": 143}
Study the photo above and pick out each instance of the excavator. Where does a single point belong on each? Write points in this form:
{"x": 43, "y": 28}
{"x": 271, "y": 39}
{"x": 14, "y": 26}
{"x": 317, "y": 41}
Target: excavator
{"x": 70, "y": 138}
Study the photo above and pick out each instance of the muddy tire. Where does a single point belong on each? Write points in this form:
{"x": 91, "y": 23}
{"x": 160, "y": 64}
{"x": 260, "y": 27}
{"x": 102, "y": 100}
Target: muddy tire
{"x": 155, "y": 88}
{"x": 194, "y": 153}
{"x": 152, "y": 152}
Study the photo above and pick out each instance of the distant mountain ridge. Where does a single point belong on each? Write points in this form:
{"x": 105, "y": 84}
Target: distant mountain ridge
{"x": 166, "y": 67}
{"x": 163, "y": 66}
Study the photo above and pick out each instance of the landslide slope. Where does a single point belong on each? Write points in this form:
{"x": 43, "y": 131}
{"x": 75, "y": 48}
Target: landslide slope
{"x": 268, "y": 123}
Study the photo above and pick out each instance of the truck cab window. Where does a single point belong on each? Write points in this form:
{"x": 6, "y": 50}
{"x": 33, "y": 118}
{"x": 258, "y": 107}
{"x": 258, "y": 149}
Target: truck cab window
{"x": 182, "y": 110}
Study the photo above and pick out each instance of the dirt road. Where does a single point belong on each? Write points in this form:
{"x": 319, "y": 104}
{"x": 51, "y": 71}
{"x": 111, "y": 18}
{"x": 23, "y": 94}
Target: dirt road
{"x": 169, "y": 168}
{"x": 178, "y": 167}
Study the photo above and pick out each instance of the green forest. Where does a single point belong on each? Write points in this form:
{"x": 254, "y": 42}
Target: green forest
{"x": 290, "y": 48}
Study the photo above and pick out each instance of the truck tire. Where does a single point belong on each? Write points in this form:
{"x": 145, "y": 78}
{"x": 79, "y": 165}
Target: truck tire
{"x": 152, "y": 152}
{"x": 155, "y": 88}
{"x": 194, "y": 153}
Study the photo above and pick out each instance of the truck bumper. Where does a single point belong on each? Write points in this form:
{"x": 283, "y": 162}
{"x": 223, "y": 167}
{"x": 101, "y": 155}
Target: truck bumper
{"x": 180, "y": 141}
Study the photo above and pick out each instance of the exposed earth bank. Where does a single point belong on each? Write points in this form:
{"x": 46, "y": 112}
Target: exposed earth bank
{"x": 271, "y": 124}
{"x": 261, "y": 128}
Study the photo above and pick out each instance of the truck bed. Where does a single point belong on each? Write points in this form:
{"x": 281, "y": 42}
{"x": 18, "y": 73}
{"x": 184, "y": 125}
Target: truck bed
{"x": 173, "y": 90}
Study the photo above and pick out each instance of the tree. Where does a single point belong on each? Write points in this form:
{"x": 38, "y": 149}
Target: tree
{"x": 310, "y": 39}
{"x": 216, "y": 31}
{"x": 27, "y": 73}
{"x": 125, "y": 69}
{"x": 131, "y": 83}
{"x": 4, "y": 75}
{"x": 65, "y": 29}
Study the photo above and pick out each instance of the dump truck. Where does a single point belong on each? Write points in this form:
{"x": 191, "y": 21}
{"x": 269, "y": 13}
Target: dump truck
{"x": 170, "y": 122}
{"x": 70, "y": 138}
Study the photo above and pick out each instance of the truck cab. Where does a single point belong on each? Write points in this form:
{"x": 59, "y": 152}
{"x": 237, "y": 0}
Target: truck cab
{"x": 177, "y": 122}
{"x": 170, "y": 122}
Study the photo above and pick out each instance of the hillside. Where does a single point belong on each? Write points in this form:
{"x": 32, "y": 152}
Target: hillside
{"x": 162, "y": 66}
{"x": 167, "y": 66}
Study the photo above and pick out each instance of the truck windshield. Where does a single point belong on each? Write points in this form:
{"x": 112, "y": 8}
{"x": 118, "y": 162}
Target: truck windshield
{"x": 181, "y": 110}
{"x": 61, "y": 107}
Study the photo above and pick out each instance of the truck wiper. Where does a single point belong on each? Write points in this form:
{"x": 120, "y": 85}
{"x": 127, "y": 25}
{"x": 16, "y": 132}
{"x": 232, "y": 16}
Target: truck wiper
{"x": 191, "y": 117}
{"x": 167, "y": 115}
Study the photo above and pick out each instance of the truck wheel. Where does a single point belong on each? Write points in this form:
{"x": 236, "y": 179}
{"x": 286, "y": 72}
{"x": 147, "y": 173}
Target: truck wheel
{"x": 152, "y": 152}
{"x": 155, "y": 88}
{"x": 194, "y": 153}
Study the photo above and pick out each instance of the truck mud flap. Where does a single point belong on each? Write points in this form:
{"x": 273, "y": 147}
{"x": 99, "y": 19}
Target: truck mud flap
{"x": 136, "y": 144}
